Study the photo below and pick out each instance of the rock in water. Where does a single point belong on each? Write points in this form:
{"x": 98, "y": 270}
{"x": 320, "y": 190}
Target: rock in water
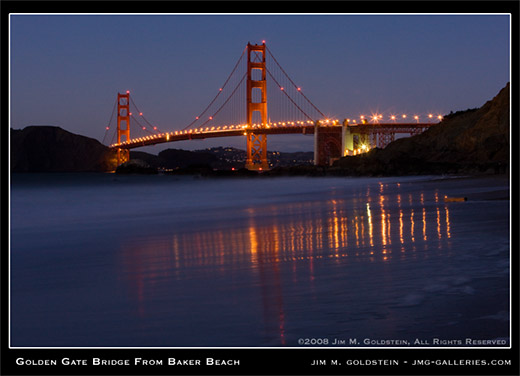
{"x": 135, "y": 166}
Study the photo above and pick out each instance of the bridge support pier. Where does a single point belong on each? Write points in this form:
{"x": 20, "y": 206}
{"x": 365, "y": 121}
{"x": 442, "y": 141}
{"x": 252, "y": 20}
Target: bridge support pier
{"x": 347, "y": 139}
{"x": 328, "y": 143}
{"x": 332, "y": 142}
{"x": 355, "y": 140}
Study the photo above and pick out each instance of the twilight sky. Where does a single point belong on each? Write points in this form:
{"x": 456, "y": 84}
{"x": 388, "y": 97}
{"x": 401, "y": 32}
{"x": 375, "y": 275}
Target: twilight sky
{"x": 66, "y": 70}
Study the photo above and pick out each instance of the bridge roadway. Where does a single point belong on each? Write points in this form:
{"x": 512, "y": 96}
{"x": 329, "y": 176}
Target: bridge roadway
{"x": 239, "y": 130}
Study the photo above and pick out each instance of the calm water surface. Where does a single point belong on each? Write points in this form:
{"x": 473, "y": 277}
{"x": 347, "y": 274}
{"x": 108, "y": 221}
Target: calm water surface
{"x": 112, "y": 261}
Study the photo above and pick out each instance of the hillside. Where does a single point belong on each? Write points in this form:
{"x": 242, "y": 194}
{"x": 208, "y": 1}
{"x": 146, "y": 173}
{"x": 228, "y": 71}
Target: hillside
{"x": 473, "y": 141}
{"x": 52, "y": 149}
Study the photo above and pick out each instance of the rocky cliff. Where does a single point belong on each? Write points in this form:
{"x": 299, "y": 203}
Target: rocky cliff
{"x": 473, "y": 141}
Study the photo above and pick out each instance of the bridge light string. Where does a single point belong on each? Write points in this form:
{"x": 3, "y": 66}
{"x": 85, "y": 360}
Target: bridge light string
{"x": 376, "y": 118}
{"x": 241, "y": 127}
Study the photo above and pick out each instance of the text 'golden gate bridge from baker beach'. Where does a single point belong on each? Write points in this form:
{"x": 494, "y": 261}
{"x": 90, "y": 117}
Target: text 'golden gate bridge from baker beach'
{"x": 240, "y": 109}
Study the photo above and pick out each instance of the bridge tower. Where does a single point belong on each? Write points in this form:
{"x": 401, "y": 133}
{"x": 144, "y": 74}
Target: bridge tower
{"x": 256, "y": 143}
{"x": 123, "y": 117}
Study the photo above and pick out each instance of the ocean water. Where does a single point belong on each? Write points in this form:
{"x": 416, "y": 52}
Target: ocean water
{"x": 100, "y": 260}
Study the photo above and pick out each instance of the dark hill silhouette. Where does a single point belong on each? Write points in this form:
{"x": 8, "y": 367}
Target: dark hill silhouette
{"x": 52, "y": 149}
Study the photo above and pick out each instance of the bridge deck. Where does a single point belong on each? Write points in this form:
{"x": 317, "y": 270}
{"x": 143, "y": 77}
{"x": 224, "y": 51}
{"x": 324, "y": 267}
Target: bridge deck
{"x": 200, "y": 134}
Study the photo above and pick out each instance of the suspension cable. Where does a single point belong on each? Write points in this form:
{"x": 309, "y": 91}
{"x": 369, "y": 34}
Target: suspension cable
{"x": 219, "y": 92}
{"x": 142, "y": 126}
{"x": 225, "y": 102}
{"x": 142, "y": 116}
{"x": 287, "y": 95}
{"x": 289, "y": 78}
{"x": 110, "y": 121}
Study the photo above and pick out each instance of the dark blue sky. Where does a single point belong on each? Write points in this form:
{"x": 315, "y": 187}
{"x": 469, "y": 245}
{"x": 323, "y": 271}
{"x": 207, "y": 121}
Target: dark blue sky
{"x": 66, "y": 70}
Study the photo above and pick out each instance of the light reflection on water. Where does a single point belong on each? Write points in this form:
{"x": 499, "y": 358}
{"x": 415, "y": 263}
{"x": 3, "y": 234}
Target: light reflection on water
{"x": 273, "y": 240}
{"x": 304, "y": 230}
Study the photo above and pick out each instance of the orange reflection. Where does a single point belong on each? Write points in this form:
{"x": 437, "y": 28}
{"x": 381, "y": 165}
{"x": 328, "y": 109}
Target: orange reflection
{"x": 446, "y": 210}
{"x": 412, "y": 227}
{"x": 401, "y": 225}
{"x": 370, "y": 226}
{"x": 383, "y": 219}
{"x": 424, "y": 224}
{"x": 439, "y": 234}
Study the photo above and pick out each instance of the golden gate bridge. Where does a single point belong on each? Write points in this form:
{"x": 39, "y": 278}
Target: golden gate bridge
{"x": 240, "y": 109}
